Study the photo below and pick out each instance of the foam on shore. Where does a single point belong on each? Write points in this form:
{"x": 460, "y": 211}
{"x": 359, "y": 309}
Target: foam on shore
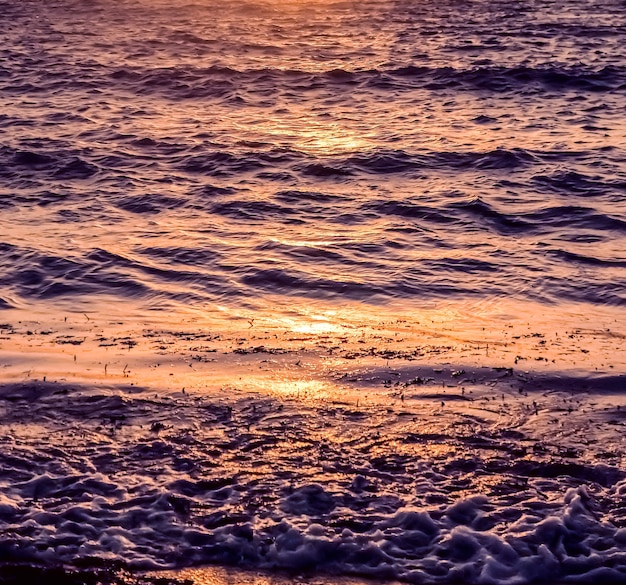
{"x": 350, "y": 452}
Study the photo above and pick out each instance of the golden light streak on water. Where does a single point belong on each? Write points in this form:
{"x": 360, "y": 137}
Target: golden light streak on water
{"x": 323, "y": 134}
{"x": 233, "y": 576}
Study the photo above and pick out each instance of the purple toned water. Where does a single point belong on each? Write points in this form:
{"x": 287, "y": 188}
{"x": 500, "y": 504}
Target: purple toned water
{"x": 176, "y": 153}
{"x": 255, "y": 160}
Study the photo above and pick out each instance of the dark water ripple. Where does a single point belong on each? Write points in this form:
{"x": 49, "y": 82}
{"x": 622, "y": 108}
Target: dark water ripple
{"x": 246, "y": 86}
{"x": 222, "y": 83}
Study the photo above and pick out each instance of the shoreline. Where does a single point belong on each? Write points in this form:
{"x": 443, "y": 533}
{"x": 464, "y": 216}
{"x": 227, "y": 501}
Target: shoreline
{"x": 445, "y": 456}
{"x": 113, "y": 343}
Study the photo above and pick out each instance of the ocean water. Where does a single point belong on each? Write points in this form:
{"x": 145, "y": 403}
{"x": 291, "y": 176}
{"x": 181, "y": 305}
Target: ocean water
{"x": 173, "y": 153}
{"x": 288, "y": 173}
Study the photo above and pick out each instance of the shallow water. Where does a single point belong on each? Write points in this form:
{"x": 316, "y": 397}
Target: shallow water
{"x": 398, "y": 450}
{"x": 327, "y": 287}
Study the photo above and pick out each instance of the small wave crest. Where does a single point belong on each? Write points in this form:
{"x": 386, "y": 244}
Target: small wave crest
{"x": 572, "y": 182}
{"x": 223, "y": 82}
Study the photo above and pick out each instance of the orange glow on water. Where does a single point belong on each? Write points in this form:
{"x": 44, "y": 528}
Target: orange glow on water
{"x": 316, "y": 134}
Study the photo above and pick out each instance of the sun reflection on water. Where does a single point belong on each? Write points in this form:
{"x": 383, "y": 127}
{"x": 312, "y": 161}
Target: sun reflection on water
{"x": 311, "y": 133}
{"x": 298, "y": 388}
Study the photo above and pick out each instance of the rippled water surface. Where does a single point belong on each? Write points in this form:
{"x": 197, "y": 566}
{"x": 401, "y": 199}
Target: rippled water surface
{"x": 318, "y": 286}
{"x": 380, "y": 151}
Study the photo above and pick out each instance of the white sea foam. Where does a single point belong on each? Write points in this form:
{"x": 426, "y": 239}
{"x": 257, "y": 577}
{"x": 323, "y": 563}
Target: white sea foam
{"x": 269, "y": 484}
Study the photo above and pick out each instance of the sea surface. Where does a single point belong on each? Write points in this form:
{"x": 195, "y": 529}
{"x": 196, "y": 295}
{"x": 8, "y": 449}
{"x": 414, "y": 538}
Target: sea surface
{"x": 174, "y": 153}
{"x": 300, "y": 169}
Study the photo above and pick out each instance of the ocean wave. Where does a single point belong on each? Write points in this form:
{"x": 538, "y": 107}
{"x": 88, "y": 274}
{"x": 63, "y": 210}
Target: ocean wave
{"x": 409, "y": 210}
{"x": 500, "y": 78}
{"x": 588, "y": 259}
{"x": 230, "y": 143}
{"x": 253, "y": 211}
{"x": 596, "y": 291}
{"x": 387, "y": 161}
{"x": 363, "y": 257}
{"x": 579, "y": 183}
{"x": 202, "y": 257}
{"x": 574, "y": 216}
{"x": 220, "y": 163}
{"x": 150, "y": 203}
{"x": 303, "y": 284}
{"x": 19, "y": 163}
{"x": 222, "y": 82}
{"x": 486, "y": 213}
{"x": 305, "y": 198}
{"x": 45, "y": 276}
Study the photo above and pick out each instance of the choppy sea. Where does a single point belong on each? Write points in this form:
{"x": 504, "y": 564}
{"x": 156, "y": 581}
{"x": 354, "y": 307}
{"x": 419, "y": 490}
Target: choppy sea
{"x": 253, "y": 156}
{"x": 171, "y": 153}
